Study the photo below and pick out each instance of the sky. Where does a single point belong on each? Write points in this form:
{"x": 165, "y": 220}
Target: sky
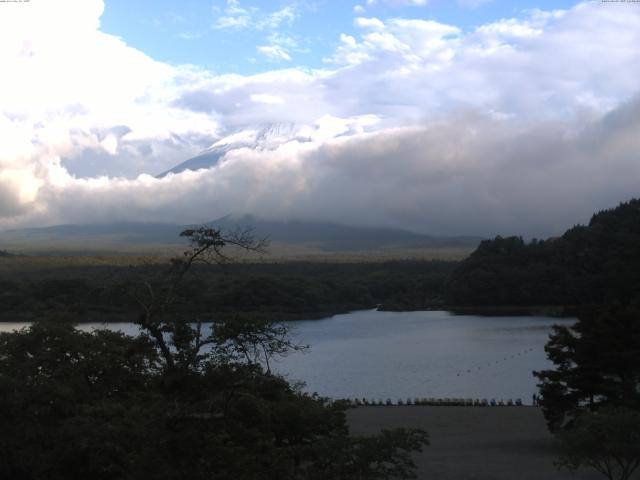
{"x": 472, "y": 117}
{"x": 249, "y": 37}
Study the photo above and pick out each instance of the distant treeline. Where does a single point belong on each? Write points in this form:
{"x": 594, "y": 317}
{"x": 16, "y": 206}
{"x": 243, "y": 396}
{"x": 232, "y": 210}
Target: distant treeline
{"x": 274, "y": 291}
{"x": 594, "y": 264}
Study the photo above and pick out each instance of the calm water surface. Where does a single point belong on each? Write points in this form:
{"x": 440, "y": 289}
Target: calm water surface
{"x": 380, "y": 355}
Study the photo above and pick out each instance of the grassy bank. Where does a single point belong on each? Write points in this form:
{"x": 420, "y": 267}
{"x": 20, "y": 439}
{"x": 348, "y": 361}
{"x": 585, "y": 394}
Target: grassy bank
{"x": 473, "y": 443}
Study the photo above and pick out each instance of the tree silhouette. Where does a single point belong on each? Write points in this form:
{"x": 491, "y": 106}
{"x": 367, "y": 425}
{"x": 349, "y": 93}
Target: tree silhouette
{"x": 597, "y": 363}
{"x": 180, "y": 401}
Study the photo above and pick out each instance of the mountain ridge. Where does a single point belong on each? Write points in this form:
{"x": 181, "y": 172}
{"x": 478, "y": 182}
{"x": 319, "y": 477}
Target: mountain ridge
{"x": 326, "y": 236}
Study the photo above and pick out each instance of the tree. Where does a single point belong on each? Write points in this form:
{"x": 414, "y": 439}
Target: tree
{"x": 156, "y": 296}
{"x": 70, "y": 398}
{"x": 607, "y": 440}
{"x": 597, "y": 364}
{"x": 593, "y": 264}
{"x": 591, "y": 401}
{"x": 179, "y": 401}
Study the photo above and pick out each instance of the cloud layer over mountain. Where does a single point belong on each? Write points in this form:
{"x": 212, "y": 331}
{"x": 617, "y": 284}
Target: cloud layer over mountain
{"x": 520, "y": 126}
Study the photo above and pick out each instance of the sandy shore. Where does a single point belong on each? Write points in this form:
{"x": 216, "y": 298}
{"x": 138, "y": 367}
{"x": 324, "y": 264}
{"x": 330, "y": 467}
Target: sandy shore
{"x": 490, "y": 443}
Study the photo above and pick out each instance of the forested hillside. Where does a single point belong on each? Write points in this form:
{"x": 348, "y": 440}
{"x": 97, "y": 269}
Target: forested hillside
{"x": 592, "y": 264}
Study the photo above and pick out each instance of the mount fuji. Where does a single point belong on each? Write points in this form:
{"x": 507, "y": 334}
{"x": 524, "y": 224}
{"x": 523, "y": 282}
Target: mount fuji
{"x": 259, "y": 137}
{"x": 270, "y": 136}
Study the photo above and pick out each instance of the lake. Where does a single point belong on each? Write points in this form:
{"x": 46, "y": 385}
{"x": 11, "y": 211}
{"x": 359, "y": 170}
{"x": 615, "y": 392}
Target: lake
{"x": 380, "y": 355}
{"x": 399, "y": 355}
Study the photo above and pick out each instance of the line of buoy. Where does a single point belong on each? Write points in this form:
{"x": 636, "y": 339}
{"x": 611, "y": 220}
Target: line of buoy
{"x": 444, "y": 402}
{"x": 523, "y": 352}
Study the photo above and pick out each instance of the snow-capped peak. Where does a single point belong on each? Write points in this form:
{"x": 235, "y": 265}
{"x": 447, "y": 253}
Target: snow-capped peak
{"x": 265, "y": 136}
{"x": 272, "y": 135}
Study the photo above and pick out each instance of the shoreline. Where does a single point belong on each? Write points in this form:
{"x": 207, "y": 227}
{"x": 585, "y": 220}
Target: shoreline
{"x": 559, "y": 311}
{"x": 551, "y": 311}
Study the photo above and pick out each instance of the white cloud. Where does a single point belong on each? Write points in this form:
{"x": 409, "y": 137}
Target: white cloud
{"x": 267, "y": 99}
{"x": 279, "y": 47}
{"x": 520, "y": 126}
{"x": 274, "y": 52}
{"x": 359, "y": 9}
{"x": 282, "y": 40}
{"x": 226, "y": 22}
{"x": 284, "y": 16}
{"x": 372, "y": 23}
{"x": 110, "y": 144}
{"x": 235, "y": 16}
{"x": 65, "y": 85}
{"x": 402, "y": 3}
{"x": 190, "y": 35}
{"x": 462, "y": 174}
{"x": 473, "y": 3}
{"x": 412, "y": 40}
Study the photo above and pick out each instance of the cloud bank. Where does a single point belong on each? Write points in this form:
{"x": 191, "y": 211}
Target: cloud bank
{"x": 523, "y": 125}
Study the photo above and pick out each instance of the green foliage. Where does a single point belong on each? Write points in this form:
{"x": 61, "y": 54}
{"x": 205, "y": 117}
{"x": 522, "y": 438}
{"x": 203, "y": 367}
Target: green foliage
{"x": 591, "y": 400}
{"x": 607, "y": 440}
{"x": 101, "y": 405}
{"x": 56, "y": 386}
{"x": 597, "y": 363}
{"x": 598, "y": 263}
{"x": 369, "y": 458}
{"x": 177, "y": 402}
{"x": 270, "y": 291}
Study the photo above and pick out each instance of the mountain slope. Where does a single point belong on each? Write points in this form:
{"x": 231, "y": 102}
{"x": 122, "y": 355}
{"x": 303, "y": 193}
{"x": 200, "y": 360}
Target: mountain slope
{"x": 325, "y": 236}
{"x": 260, "y": 137}
{"x": 117, "y": 233}
{"x": 270, "y": 136}
{"x": 333, "y": 236}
